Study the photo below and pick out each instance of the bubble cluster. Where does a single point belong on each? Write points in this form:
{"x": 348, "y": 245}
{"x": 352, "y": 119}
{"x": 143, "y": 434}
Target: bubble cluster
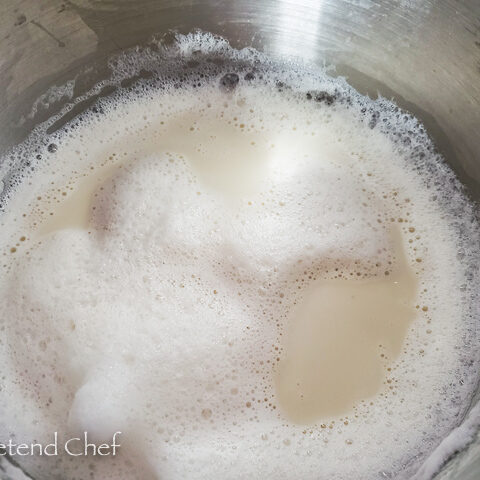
{"x": 155, "y": 248}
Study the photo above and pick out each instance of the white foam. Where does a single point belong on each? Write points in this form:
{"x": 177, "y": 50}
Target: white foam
{"x": 162, "y": 318}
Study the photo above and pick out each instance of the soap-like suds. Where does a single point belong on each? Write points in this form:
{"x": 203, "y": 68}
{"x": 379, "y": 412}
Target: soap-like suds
{"x": 159, "y": 305}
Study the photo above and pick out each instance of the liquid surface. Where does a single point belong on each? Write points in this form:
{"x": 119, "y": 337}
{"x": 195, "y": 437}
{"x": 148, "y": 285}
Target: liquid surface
{"x": 245, "y": 267}
{"x": 340, "y": 336}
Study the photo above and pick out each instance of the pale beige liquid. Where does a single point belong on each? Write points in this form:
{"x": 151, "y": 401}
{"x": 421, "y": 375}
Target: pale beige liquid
{"x": 233, "y": 163}
{"x": 341, "y": 338}
{"x": 75, "y": 211}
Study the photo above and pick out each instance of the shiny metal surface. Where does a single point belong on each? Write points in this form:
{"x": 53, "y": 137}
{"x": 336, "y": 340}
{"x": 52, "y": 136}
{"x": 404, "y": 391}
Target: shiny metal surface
{"x": 423, "y": 53}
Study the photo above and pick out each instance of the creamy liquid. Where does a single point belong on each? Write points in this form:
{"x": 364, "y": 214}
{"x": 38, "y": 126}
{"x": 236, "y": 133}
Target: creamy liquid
{"x": 75, "y": 212}
{"x": 256, "y": 281}
{"x": 341, "y": 337}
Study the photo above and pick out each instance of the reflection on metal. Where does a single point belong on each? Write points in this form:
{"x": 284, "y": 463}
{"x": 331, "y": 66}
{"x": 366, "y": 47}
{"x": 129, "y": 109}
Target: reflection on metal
{"x": 50, "y": 34}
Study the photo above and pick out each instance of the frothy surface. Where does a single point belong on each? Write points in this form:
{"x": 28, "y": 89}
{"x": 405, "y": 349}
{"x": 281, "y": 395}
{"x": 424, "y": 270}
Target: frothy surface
{"x": 171, "y": 237}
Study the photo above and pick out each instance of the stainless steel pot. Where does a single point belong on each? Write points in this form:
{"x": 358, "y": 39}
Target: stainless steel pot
{"x": 423, "y": 53}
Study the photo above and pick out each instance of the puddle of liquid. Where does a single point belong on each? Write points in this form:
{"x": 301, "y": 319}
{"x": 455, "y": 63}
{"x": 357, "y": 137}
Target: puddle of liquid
{"x": 224, "y": 157}
{"x": 336, "y": 338}
{"x": 230, "y": 161}
{"x": 75, "y": 211}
